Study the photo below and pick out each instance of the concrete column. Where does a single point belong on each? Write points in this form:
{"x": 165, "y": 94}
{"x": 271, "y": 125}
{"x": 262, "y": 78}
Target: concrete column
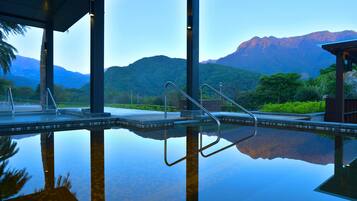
{"x": 97, "y": 56}
{"x": 46, "y": 64}
{"x": 339, "y": 99}
{"x": 192, "y": 51}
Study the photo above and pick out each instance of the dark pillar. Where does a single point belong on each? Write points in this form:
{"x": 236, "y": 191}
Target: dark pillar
{"x": 46, "y": 66}
{"x": 97, "y": 56}
{"x": 192, "y": 162}
{"x": 97, "y": 165}
{"x": 340, "y": 101}
{"x": 192, "y": 51}
{"x": 48, "y": 159}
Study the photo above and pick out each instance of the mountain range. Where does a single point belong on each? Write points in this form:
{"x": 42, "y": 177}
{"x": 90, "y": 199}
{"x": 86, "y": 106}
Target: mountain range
{"x": 147, "y": 76}
{"x": 300, "y": 54}
{"x": 239, "y": 71}
{"x": 26, "y": 72}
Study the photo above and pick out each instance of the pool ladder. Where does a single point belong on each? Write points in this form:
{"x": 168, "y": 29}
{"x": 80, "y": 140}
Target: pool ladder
{"x": 200, "y": 105}
{"x": 173, "y": 85}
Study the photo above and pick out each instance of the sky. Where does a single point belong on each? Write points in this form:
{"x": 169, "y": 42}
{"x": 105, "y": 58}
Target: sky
{"x": 141, "y": 28}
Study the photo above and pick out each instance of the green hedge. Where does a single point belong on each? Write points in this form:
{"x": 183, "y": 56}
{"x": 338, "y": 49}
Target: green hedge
{"x": 295, "y": 107}
{"x": 142, "y": 107}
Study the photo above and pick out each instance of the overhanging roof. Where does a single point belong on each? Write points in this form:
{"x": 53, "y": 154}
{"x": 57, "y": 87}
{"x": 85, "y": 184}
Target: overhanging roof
{"x": 36, "y": 12}
{"x": 348, "y": 47}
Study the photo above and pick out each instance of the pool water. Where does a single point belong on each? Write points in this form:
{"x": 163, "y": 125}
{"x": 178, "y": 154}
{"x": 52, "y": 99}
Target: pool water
{"x": 120, "y": 164}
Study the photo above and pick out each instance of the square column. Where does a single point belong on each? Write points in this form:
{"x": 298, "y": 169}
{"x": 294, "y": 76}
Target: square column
{"x": 192, "y": 51}
{"x": 340, "y": 99}
{"x": 97, "y": 56}
{"x": 46, "y": 66}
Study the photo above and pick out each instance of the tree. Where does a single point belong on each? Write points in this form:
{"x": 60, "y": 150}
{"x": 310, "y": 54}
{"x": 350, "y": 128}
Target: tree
{"x": 7, "y": 51}
{"x": 4, "y": 85}
{"x": 308, "y": 93}
{"x": 278, "y": 88}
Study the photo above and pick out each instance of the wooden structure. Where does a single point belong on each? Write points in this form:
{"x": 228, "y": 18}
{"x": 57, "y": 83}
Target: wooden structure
{"x": 350, "y": 110}
{"x": 346, "y": 55}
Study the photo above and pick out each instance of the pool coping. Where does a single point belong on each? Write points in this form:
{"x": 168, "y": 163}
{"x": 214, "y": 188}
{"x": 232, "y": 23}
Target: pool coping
{"x": 129, "y": 121}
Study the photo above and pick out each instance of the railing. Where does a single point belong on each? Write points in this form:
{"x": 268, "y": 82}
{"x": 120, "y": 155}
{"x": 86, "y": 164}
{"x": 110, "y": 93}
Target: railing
{"x": 50, "y": 96}
{"x": 11, "y": 101}
{"x": 255, "y": 119}
{"x": 169, "y": 83}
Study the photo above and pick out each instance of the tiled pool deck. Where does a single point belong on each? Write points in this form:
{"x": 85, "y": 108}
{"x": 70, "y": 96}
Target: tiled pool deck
{"x": 139, "y": 119}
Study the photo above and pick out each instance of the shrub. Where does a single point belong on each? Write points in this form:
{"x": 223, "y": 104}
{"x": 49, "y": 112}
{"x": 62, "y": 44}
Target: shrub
{"x": 295, "y": 107}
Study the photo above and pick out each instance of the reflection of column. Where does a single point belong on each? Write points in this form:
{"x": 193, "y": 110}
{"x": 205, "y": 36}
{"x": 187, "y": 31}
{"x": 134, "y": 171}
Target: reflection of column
{"x": 97, "y": 165}
{"x": 48, "y": 161}
{"x": 192, "y": 164}
{"x": 338, "y": 155}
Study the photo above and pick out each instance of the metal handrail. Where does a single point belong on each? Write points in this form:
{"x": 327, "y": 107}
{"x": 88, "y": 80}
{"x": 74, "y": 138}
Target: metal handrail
{"x": 11, "y": 101}
{"x": 49, "y": 94}
{"x": 169, "y": 83}
{"x": 229, "y": 100}
{"x": 192, "y": 101}
{"x": 228, "y": 146}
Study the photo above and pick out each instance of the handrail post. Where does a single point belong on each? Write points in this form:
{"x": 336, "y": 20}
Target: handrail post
{"x": 11, "y": 101}
{"x": 49, "y": 95}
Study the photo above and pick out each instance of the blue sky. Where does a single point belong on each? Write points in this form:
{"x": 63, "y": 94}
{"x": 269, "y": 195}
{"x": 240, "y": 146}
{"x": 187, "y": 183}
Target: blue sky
{"x": 142, "y": 28}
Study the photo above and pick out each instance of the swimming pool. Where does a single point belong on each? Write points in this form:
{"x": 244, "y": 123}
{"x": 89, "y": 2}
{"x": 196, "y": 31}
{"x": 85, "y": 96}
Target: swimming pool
{"x": 120, "y": 164}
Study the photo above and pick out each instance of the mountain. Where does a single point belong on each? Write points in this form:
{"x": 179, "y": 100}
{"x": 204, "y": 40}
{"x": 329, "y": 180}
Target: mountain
{"x": 300, "y": 54}
{"x": 148, "y": 76}
{"x": 26, "y": 72}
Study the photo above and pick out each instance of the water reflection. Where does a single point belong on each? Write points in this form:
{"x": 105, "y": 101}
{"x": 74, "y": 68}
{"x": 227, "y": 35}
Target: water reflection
{"x": 54, "y": 188}
{"x": 134, "y": 170}
{"x": 344, "y": 181}
{"x": 97, "y": 165}
{"x": 48, "y": 160}
{"x": 11, "y": 180}
{"x": 270, "y": 143}
{"x": 192, "y": 162}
